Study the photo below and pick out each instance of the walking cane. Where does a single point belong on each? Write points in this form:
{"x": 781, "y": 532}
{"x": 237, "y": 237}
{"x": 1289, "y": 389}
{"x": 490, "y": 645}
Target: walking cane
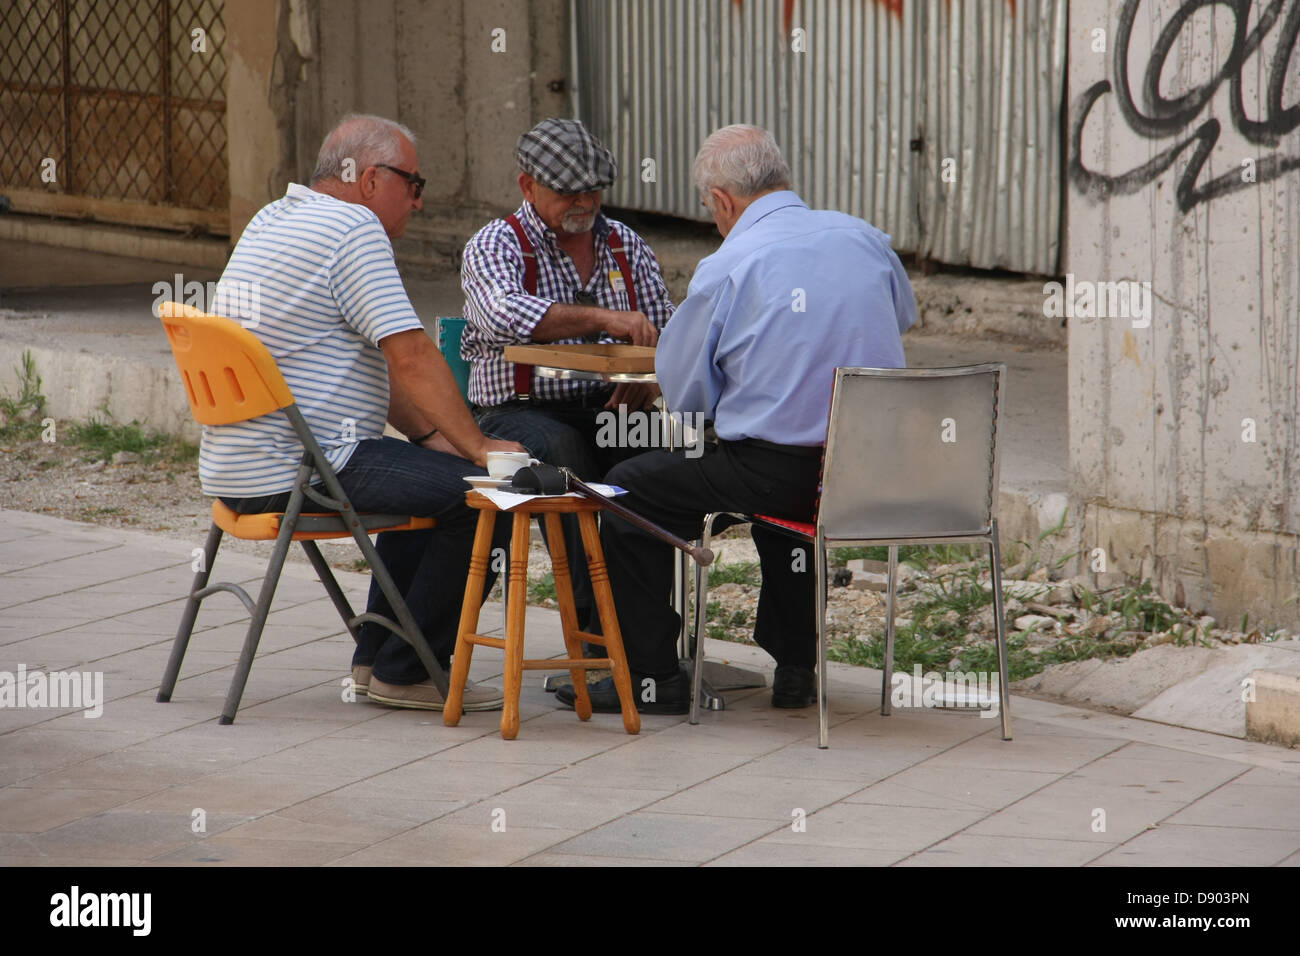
{"x": 549, "y": 480}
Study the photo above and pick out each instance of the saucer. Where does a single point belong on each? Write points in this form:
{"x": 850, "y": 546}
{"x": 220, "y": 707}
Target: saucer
{"x": 487, "y": 481}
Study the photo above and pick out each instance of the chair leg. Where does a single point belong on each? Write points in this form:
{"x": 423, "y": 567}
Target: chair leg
{"x": 189, "y": 616}
{"x": 701, "y": 615}
{"x": 887, "y": 674}
{"x": 410, "y": 631}
{"x": 823, "y": 706}
{"x": 331, "y": 585}
{"x": 680, "y": 602}
{"x": 263, "y": 608}
{"x": 1004, "y": 685}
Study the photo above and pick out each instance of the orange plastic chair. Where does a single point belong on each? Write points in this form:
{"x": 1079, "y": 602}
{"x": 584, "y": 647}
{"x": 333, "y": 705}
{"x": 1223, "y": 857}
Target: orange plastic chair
{"x": 230, "y": 377}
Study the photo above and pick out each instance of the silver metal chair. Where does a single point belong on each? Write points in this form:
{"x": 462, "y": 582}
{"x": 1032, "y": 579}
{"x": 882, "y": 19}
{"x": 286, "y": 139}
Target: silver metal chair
{"x": 911, "y": 458}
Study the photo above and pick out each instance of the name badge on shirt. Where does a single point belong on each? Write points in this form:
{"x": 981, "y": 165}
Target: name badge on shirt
{"x": 616, "y": 280}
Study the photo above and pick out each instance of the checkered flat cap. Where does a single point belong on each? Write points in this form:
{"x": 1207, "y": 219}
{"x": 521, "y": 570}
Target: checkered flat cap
{"x": 563, "y": 155}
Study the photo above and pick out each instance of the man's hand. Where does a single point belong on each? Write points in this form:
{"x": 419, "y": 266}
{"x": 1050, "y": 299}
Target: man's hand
{"x": 563, "y": 321}
{"x": 631, "y": 326}
{"x": 634, "y": 395}
{"x": 498, "y": 444}
{"x": 479, "y": 457}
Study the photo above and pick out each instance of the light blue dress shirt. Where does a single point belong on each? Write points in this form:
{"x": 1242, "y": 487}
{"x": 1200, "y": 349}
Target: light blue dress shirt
{"x": 791, "y": 294}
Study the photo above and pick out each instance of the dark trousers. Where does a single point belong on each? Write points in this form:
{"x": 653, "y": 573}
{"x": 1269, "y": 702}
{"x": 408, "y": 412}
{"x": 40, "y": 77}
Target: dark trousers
{"x": 387, "y": 475}
{"x": 564, "y": 434}
{"x": 676, "y": 493}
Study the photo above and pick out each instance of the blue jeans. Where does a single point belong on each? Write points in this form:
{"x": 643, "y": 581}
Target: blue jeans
{"x": 428, "y": 567}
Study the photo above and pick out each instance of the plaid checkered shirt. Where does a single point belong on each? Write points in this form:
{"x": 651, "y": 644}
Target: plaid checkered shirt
{"x": 499, "y": 312}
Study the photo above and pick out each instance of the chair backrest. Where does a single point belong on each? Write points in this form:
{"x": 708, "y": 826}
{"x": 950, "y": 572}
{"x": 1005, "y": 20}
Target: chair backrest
{"x": 450, "y": 329}
{"x": 228, "y": 373}
{"x": 912, "y": 452}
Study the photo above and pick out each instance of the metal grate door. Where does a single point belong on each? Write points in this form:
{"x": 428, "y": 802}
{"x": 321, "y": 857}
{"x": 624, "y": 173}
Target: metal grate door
{"x": 115, "y": 110}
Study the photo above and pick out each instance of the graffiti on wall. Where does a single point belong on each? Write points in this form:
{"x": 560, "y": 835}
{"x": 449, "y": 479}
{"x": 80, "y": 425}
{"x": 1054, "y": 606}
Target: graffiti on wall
{"x": 1160, "y": 117}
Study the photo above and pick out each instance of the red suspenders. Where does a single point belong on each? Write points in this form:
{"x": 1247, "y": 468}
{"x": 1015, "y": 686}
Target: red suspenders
{"x": 524, "y": 373}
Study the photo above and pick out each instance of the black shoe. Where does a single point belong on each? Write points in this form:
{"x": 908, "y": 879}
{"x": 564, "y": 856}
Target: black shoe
{"x": 671, "y": 695}
{"x": 794, "y": 686}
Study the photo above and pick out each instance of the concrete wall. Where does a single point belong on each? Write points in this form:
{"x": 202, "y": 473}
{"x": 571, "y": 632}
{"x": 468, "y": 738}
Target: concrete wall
{"x": 1184, "y": 443}
{"x": 431, "y": 65}
{"x": 265, "y": 57}
{"x": 294, "y": 67}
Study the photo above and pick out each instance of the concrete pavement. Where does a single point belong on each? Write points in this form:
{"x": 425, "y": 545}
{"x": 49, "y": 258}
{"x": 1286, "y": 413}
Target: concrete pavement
{"x": 303, "y": 777}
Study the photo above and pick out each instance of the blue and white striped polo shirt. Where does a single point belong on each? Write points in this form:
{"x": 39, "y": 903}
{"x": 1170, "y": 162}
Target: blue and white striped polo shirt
{"x": 329, "y": 292}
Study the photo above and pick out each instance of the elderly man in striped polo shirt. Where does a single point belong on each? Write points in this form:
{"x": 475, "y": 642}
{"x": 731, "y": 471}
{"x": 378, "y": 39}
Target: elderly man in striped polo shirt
{"x": 558, "y": 270}
{"x": 336, "y": 318}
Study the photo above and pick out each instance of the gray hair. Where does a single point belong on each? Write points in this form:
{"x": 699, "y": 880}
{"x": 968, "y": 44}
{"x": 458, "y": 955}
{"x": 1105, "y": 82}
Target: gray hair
{"x": 365, "y": 139}
{"x": 743, "y": 160}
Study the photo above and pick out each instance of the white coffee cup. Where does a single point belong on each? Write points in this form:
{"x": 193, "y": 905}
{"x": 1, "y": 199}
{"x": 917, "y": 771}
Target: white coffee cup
{"x": 504, "y": 464}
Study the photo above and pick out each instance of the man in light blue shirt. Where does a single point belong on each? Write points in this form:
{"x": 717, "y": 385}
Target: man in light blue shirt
{"x": 790, "y": 295}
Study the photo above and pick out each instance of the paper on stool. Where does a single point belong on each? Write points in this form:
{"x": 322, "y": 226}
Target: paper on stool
{"x": 507, "y": 500}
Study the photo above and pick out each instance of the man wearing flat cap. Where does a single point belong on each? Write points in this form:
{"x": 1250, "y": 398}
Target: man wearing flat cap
{"x": 558, "y": 271}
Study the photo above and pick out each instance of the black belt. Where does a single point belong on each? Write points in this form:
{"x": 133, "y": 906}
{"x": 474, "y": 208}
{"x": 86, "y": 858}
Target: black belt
{"x": 802, "y": 451}
{"x": 594, "y": 399}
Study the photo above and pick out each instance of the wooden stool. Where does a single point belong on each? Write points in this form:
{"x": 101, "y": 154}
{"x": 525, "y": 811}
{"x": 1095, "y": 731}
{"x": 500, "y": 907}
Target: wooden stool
{"x": 516, "y": 608}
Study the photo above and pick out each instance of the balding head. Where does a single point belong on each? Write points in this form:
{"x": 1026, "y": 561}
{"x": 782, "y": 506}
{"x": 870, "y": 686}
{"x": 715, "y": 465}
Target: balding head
{"x": 735, "y": 166}
{"x": 365, "y": 140}
{"x": 371, "y": 161}
{"x": 743, "y": 160}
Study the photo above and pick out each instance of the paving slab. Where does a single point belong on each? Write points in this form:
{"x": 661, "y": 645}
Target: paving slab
{"x": 307, "y": 777}
{"x": 228, "y": 850}
{"x": 898, "y": 829}
{"x": 767, "y": 852}
{"x": 942, "y": 789}
{"x": 666, "y": 836}
{"x": 444, "y": 844}
{"x": 973, "y": 849}
{"x": 1172, "y": 844}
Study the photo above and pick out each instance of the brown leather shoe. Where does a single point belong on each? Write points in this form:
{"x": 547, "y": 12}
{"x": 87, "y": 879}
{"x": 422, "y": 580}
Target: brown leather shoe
{"x": 425, "y": 696}
{"x": 361, "y": 680}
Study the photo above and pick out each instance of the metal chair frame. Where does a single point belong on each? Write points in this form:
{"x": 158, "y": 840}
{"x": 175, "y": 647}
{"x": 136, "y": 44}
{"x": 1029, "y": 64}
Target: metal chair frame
{"x": 338, "y": 520}
{"x": 984, "y": 532}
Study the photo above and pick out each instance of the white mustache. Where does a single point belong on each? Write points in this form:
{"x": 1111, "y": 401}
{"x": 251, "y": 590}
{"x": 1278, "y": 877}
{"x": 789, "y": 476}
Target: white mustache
{"x": 578, "y": 222}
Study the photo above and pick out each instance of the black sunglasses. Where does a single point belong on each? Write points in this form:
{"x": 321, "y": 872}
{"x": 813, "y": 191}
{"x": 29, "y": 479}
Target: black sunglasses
{"x": 413, "y": 178}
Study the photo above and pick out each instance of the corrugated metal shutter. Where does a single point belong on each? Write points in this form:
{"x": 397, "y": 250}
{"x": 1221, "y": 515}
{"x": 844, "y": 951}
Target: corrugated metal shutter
{"x": 882, "y": 93}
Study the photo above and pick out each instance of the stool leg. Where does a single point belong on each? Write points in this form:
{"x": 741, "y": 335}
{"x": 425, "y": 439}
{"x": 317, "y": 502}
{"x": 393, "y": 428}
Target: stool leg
{"x": 609, "y": 621}
{"x": 478, "y": 564}
{"x": 518, "y": 607}
{"x": 568, "y": 614}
